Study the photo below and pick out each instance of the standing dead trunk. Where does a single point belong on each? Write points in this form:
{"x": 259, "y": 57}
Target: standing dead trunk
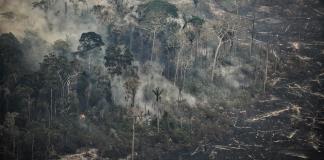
{"x": 7, "y": 103}
{"x": 89, "y": 63}
{"x": 89, "y": 95}
{"x": 266, "y": 70}
{"x": 197, "y": 48}
{"x": 29, "y": 108}
{"x": 13, "y": 144}
{"x": 142, "y": 41}
{"x": 190, "y": 125}
{"x": 65, "y": 9}
{"x": 252, "y": 34}
{"x": 167, "y": 118}
{"x": 158, "y": 121}
{"x": 153, "y": 45}
{"x": 215, "y": 57}
{"x": 177, "y": 64}
{"x": 133, "y": 139}
{"x": 237, "y": 7}
{"x": 184, "y": 76}
{"x": 49, "y": 142}
{"x": 32, "y": 148}
{"x": 51, "y": 109}
{"x": 131, "y": 39}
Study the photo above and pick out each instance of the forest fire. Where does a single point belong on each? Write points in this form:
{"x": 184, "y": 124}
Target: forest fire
{"x": 82, "y": 116}
{"x": 296, "y": 46}
{"x": 161, "y": 79}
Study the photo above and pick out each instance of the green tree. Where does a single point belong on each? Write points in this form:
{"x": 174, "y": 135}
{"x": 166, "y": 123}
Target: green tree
{"x": 61, "y": 47}
{"x": 90, "y": 40}
{"x": 117, "y": 59}
{"x": 154, "y": 16}
{"x": 195, "y": 2}
{"x": 10, "y": 57}
{"x": 172, "y": 44}
{"x": 24, "y": 93}
{"x": 12, "y": 132}
{"x": 196, "y": 24}
{"x": 57, "y": 73}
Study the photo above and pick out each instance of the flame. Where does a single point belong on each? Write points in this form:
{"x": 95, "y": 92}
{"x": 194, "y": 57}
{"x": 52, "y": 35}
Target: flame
{"x": 296, "y": 45}
{"x": 82, "y": 116}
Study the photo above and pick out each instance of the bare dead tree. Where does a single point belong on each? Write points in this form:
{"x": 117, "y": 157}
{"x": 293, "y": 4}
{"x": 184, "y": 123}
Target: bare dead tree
{"x": 157, "y": 92}
{"x": 220, "y": 32}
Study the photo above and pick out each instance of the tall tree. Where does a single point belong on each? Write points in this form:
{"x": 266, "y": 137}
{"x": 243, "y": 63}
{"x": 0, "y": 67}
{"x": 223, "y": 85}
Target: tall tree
{"x": 89, "y": 41}
{"x": 223, "y": 32}
{"x": 171, "y": 41}
{"x": 10, "y": 57}
{"x": 196, "y": 23}
{"x": 61, "y": 47}
{"x": 131, "y": 86}
{"x": 117, "y": 59}
{"x": 56, "y": 73}
{"x": 195, "y": 3}
{"x": 25, "y": 94}
{"x": 153, "y": 15}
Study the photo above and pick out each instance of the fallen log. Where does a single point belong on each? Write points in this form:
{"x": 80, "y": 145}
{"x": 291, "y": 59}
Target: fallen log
{"x": 268, "y": 115}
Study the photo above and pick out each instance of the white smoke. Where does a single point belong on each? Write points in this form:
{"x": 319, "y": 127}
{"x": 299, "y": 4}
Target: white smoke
{"x": 21, "y": 17}
{"x": 150, "y": 77}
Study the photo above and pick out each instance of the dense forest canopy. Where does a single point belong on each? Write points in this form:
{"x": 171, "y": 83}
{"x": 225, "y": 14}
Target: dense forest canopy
{"x": 161, "y": 79}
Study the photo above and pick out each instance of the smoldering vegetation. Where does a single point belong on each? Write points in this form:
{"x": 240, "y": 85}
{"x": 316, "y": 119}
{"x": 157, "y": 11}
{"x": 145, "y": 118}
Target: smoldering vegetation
{"x": 161, "y": 79}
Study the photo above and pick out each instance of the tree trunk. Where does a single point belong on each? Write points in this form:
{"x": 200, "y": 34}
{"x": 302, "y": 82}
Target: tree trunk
{"x": 153, "y": 45}
{"x": 197, "y": 48}
{"x": 168, "y": 125}
{"x": 65, "y": 9}
{"x": 131, "y": 39}
{"x": 51, "y": 109}
{"x": 133, "y": 139}
{"x": 252, "y": 34}
{"x": 177, "y": 65}
{"x": 142, "y": 41}
{"x": 183, "y": 76}
{"x": 63, "y": 92}
{"x": 89, "y": 63}
{"x": 158, "y": 119}
{"x": 215, "y": 57}
{"x": 158, "y": 123}
{"x": 29, "y": 107}
{"x": 49, "y": 142}
{"x": 266, "y": 70}
{"x": 237, "y": 7}
{"x": 133, "y": 100}
{"x": 190, "y": 123}
{"x": 32, "y": 148}
{"x": 7, "y": 104}
{"x": 13, "y": 144}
